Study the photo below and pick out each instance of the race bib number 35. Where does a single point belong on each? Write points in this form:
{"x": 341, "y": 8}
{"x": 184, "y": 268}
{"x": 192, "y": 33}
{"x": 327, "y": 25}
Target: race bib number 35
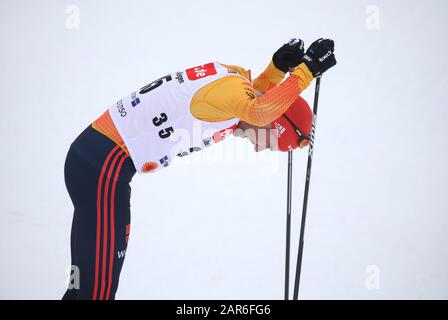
{"x": 201, "y": 71}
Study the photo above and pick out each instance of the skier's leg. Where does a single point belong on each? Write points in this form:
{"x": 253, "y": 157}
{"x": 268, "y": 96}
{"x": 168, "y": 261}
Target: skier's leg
{"x": 97, "y": 174}
{"x": 80, "y": 180}
{"x": 119, "y": 229}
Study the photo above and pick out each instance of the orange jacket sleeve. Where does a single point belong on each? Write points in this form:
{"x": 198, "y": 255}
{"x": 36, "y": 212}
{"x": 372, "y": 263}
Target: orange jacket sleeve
{"x": 269, "y": 78}
{"x": 235, "y": 97}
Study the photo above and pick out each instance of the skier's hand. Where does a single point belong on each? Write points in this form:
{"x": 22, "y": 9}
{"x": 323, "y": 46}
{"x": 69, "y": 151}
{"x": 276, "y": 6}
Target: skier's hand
{"x": 289, "y": 55}
{"x": 320, "y": 56}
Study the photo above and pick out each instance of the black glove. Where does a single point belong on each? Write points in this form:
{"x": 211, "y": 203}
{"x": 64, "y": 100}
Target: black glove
{"x": 320, "y": 56}
{"x": 289, "y": 55}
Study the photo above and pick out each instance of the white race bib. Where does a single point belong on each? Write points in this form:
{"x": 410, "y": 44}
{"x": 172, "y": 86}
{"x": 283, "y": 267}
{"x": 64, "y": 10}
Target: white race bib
{"x": 156, "y": 124}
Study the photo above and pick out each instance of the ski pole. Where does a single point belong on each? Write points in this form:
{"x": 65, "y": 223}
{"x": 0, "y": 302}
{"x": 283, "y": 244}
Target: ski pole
{"x": 288, "y": 225}
{"x": 305, "y": 196}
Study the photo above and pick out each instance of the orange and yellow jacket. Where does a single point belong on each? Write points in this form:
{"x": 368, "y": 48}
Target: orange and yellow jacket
{"x": 233, "y": 97}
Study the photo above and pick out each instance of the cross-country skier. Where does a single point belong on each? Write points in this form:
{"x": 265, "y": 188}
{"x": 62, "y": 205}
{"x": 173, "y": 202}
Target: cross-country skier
{"x": 146, "y": 130}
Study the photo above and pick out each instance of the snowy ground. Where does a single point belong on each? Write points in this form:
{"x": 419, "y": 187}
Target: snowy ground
{"x": 213, "y": 224}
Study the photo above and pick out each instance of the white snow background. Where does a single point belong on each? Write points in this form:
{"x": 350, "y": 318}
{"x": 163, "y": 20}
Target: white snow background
{"x": 215, "y": 229}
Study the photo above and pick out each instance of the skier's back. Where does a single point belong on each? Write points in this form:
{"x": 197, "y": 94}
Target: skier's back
{"x": 136, "y": 134}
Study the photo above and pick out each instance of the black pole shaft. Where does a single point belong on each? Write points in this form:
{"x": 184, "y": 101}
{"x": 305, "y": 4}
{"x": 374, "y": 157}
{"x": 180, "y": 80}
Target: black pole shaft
{"x": 305, "y": 196}
{"x": 288, "y": 225}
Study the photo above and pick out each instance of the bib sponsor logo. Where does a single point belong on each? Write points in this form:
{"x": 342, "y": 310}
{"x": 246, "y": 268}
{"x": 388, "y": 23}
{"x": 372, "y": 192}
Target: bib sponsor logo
{"x": 190, "y": 151}
{"x": 221, "y": 135}
{"x": 164, "y": 161}
{"x": 208, "y": 142}
{"x": 201, "y": 71}
{"x": 149, "y": 166}
{"x": 121, "y": 109}
{"x": 134, "y": 99}
{"x": 180, "y": 77}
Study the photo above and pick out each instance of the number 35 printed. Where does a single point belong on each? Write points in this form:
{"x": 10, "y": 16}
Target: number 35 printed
{"x": 158, "y": 121}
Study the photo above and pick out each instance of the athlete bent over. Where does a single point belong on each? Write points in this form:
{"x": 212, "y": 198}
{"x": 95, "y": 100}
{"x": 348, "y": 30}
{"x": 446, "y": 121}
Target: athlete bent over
{"x": 133, "y": 135}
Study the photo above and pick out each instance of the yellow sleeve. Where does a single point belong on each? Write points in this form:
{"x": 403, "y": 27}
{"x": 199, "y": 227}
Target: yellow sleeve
{"x": 244, "y": 72}
{"x": 269, "y": 78}
{"x": 235, "y": 97}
